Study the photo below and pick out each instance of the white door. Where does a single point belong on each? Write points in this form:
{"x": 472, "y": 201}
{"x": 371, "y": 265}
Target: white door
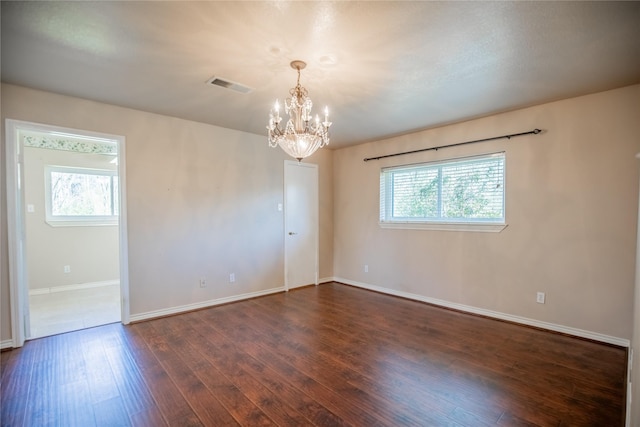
{"x": 300, "y": 224}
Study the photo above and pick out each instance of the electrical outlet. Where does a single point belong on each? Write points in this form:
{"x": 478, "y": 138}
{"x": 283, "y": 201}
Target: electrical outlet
{"x": 203, "y": 282}
{"x": 366, "y": 268}
{"x": 540, "y": 297}
{"x": 67, "y": 269}
{"x": 232, "y": 277}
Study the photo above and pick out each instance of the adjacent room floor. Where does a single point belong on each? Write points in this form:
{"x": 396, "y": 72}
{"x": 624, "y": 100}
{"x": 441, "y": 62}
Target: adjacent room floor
{"x": 71, "y": 310}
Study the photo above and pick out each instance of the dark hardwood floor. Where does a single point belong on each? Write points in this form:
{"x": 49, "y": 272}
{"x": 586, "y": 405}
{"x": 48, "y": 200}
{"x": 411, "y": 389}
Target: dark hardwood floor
{"x": 330, "y": 355}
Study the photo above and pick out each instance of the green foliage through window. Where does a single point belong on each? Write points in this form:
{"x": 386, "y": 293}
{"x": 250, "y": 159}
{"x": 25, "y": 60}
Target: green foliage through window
{"x": 462, "y": 190}
{"x": 81, "y": 194}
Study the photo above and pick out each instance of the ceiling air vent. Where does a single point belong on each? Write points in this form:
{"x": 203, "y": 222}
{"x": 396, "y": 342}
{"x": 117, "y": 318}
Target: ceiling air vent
{"x": 228, "y": 84}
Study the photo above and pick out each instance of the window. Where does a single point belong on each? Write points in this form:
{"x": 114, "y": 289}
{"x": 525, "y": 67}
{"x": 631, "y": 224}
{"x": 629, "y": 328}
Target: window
{"x": 466, "y": 193}
{"x": 81, "y": 196}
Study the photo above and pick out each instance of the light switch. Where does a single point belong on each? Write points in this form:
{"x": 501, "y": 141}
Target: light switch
{"x": 31, "y": 208}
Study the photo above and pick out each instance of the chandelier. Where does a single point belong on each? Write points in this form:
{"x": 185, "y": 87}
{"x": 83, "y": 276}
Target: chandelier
{"x": 302, "y": 135}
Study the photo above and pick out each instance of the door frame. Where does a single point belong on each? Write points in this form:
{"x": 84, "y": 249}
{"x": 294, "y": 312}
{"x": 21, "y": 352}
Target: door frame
{"x": 316, "y": 229}
{"x": 18, "y": 292}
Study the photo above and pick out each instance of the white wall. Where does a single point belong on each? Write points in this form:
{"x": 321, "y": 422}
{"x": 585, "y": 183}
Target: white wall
{"x": 90, "y": 251}
{"x": 324, "y": 159}
{"x": 571, "y": 206}
{"x": 202, "y": 202}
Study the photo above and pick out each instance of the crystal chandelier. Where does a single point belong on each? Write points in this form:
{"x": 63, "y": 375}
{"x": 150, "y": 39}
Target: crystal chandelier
{"x": 301, "y": 136}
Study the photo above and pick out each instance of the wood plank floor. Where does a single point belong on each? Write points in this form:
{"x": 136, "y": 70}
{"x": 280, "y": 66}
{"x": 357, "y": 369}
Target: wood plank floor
{"x": 330, "y": 355}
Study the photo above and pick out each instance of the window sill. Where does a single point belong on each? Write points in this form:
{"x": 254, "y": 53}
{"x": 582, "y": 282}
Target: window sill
{"x": 447, "y": 226}
{"x": 81, "y": 223}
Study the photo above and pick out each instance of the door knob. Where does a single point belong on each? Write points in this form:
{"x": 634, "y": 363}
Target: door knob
{"x": 291, "y": 233}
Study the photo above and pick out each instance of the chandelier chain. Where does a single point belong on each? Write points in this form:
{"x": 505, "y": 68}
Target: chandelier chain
{"x": 298, "y": 92}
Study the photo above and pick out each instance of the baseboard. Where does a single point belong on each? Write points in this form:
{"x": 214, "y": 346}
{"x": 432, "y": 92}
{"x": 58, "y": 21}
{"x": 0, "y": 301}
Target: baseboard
{"x": 74, "y": 287}
{"x": 595, "y": 336}
{"x": 6, "y": 344}
{"x": 196, "y": 306}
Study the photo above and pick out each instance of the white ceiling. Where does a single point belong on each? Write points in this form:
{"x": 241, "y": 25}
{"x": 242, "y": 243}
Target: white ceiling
{"x": 383, "y": 68}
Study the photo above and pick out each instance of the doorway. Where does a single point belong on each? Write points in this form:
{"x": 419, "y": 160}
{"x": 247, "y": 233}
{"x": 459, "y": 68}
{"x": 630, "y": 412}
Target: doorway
{"x": 301, "y": 224}
{"x": 67, "y": 229}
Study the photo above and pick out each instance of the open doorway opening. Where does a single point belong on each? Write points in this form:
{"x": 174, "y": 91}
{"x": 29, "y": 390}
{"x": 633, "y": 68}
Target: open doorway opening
{"x": 66, "y": 256}
{"x": 71, "y": 225}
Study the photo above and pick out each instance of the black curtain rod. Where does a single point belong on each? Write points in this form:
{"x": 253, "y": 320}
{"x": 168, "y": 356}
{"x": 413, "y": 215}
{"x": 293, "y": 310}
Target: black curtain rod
{"x": 534, "y": 132}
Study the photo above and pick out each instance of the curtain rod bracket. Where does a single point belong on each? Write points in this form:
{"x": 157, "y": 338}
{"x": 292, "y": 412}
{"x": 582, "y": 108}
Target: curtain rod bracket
{"x": 531, "y": 132}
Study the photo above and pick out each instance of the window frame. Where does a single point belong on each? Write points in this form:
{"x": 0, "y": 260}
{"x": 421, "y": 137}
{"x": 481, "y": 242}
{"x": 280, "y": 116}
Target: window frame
{"x": 447, "y": 224}
{"x": 80, "y": 220}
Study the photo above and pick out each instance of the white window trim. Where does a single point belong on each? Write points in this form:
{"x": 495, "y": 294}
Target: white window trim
{"x": 478, "y": 226}
{"x": 447, "y": 226}
{"x": 75, "y": 220}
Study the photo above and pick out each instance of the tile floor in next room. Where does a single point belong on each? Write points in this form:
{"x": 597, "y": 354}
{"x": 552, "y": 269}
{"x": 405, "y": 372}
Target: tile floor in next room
{"x": 71, "y": 310}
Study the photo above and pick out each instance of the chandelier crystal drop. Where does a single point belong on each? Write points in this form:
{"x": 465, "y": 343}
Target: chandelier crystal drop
{"x": 302, "y": 135}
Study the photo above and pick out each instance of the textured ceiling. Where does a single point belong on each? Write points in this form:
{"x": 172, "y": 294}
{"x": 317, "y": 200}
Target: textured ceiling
{"x": 383, "y": 68}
